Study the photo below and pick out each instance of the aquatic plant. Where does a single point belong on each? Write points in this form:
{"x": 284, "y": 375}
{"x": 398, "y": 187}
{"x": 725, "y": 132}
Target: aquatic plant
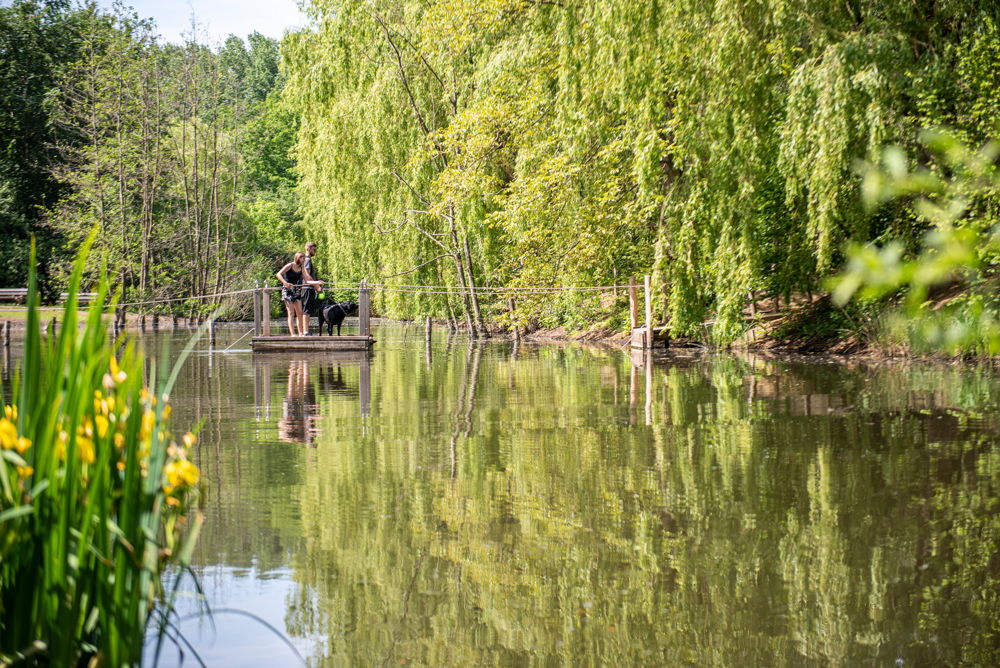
{"x": 96, "y": 497}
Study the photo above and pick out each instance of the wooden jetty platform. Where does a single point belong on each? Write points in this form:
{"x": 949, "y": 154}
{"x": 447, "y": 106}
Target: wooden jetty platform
{"x": 263, "y": 341}
{"x": 316, "y": 344}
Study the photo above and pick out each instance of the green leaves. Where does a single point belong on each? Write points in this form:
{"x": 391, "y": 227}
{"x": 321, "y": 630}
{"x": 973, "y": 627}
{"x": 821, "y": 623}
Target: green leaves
{"x": 90, "y": 496}
{"x": 713, "y": 143}
{"x": 952, "y": 196}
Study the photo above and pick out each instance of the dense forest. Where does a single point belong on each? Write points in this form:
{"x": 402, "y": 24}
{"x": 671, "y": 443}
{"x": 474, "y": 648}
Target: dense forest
{"x": 178, "y": 154}
{"x": 495, "y": 145}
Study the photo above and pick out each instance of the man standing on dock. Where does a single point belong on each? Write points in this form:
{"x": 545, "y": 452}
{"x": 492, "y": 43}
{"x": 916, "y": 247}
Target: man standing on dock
{"x": 310, "y": 299}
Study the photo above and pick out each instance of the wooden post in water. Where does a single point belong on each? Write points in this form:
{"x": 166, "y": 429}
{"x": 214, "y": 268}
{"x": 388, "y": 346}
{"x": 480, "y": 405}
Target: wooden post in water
{"x": 648, "y": 283}
{"x": 211, "y": 332}
{"x": 257, "y": 388}
{"x": 365, "y": 387}
{"x": 266, "y": 311}
{"x": 517, "y": 330}
{"x": 633, "y": 302}
{"x": 364, "y": 310}
{"x": 427, "y": 341}
{"x": 256, "y": 309}
{"x": 648, "y": 362}
{"x": 6, "y": 333}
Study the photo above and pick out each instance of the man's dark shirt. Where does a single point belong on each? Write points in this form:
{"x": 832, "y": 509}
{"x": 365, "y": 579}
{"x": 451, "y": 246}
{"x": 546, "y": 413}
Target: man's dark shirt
{"x": 308, "y": 264}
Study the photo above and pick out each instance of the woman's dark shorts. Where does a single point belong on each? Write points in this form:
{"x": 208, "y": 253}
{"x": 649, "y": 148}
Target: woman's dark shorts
{"x": 292, "y": 294}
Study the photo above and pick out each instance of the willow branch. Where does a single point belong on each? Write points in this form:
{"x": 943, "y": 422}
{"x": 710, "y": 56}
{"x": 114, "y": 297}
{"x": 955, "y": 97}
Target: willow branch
{"x": 422, "y": 264}
{"x": 409, "y": 187}
{"x": 402, "y": 73}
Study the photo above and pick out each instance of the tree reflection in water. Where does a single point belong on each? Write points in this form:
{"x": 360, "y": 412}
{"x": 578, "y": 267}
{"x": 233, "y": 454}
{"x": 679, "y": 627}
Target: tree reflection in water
{"x": 565, "y": 505}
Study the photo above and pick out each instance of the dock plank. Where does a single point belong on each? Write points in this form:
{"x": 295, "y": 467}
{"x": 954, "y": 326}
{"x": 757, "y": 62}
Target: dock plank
{"x": 310, "y": 343}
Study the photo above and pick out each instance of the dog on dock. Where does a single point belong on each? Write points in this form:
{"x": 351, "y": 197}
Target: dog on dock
{"x": 334, "y": 314}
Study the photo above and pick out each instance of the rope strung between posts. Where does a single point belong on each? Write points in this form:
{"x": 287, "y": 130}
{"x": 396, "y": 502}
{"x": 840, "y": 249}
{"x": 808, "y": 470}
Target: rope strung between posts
{"x": 399, "y": 288}
{"x": 458, "y": 290}
{"x": 237, "y": 341}
{"x": 184, "y": 299}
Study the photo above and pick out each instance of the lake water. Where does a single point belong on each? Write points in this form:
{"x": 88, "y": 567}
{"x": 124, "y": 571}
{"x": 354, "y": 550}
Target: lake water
{"x": 451, "y": 503}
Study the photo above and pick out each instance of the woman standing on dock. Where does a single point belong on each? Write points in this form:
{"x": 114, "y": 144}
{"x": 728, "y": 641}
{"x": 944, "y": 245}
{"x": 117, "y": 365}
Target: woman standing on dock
{"x": 295, "y": 279}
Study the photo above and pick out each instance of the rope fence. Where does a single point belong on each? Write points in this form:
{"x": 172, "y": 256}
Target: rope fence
{"x": 262, "y": 312}
{"x": 397, "y": 288}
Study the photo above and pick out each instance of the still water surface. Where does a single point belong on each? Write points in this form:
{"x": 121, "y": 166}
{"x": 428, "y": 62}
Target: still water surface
{"x": 455, "y": 504}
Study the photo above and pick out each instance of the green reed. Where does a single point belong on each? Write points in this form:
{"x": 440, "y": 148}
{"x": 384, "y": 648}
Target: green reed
{"x": 95, "y": 495}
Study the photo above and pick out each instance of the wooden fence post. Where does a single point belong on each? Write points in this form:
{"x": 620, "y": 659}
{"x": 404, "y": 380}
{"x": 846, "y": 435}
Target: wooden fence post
{"x": 364, "y": 309}
{"x": 517, "y": 330}
{"x": 6, "y": 334}
{"x": 633, "y": 302}
{"x": 648, "y": 281}
{"x": 266, "y": 311}
{"x": 256, "y": 309}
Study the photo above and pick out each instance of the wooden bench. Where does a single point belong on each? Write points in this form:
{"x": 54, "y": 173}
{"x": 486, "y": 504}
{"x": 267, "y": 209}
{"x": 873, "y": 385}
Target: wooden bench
{"x": 82, "y": 298}
{"x": 16, "y": 295}
{"x": 20, "y": 295}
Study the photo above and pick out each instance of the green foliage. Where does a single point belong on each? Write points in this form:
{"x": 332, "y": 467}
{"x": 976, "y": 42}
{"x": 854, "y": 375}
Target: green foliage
{"x": 709, "y": 143}
{"x": 955, "y": 197}
{"x": 170, "y": 151}
{"x": 94, "y": 494}
{"x": 37, "y": 39}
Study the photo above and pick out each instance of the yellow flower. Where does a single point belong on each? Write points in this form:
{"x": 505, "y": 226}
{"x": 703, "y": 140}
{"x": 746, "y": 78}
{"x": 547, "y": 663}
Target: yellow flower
{"x": 22, "y": 445}
{"x": 85, "y": 448}
{"x": 25, "y": 471}
{"x": 61, "y": 446}
{"x": 117, "y": 374}
{"x": 148, "y": 421}
{"x": 102, "y": 425}
{"x": 189, "y": 439}
{"x": 8, "y": 434}
{"x": 10, "y": 412}
{"x": 166, "y": 411}
{"x": 181, "y": 472}
{"x": 119, "y": 440}
{"x": 103, "y": 406}
{"x": 120, "y": 465}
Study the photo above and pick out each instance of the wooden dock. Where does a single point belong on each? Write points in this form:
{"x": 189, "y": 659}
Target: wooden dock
{"x": 263, "y": 341}
{"x": 314, "y": 344}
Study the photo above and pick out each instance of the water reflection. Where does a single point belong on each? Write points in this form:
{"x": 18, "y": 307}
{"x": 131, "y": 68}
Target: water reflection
{"x": 307, "y": 379}
{"x": 509, "y": 504}
{"x": 298, "y": 420}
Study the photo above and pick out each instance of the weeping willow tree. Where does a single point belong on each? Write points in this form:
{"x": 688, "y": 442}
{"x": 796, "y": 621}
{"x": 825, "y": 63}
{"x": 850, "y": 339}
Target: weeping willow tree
{"x": 513, "y": 143}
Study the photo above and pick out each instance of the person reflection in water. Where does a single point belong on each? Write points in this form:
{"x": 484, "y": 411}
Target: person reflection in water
{"x": 299, "y": 417}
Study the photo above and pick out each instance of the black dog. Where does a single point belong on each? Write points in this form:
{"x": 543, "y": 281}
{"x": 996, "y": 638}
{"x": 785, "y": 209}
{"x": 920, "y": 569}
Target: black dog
{"x": 334, "y": 314}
